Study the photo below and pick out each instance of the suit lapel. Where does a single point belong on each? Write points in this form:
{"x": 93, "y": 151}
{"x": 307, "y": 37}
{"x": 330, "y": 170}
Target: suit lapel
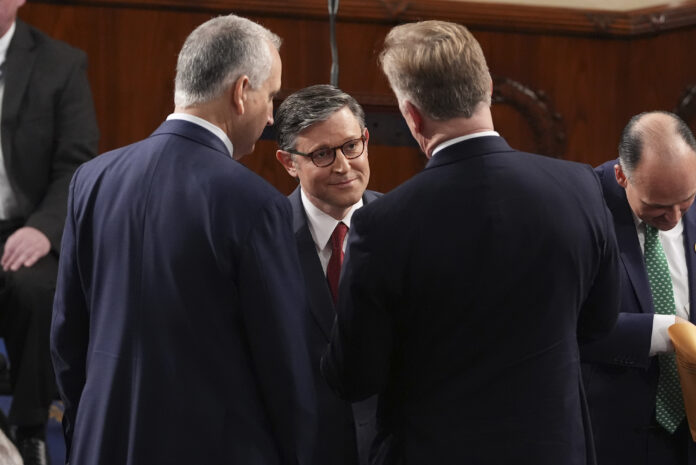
{"x": 634, "y": 263}
{"x": 690, "y": 253}
{"x": 627, "y": 237}
{"x": 18, "y": 66}
{"x": 320, "y": 302}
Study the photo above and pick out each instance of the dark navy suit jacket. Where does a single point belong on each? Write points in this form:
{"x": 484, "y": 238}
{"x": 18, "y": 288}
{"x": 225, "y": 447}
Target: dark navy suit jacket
{"x": 620, "y": 376}
{"x": 340, "y": 424}
{"x": 178, "y": 332}
{"x": 463, "y": 295}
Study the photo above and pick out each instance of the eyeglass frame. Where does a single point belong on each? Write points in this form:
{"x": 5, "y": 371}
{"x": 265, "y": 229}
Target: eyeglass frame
{"x": 333, "y": 150}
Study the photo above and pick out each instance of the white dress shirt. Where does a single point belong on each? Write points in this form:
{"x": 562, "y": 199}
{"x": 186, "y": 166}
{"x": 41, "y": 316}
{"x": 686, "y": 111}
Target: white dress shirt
{"x": 207, "y": 125}
{"x": 456, "y": 140}
{"x": 673, "y": 245}
{"x": 8, "y": 199}
{"x": 321, "y": 226}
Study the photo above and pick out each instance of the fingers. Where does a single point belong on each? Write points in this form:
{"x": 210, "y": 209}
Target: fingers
{"x": 24, "y": 247}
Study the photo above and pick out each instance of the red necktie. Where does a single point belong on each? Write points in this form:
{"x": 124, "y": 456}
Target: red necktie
{"x": 333, "y": 270}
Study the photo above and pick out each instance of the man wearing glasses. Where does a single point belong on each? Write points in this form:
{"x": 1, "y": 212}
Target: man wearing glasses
{"x": 322, "y": 142}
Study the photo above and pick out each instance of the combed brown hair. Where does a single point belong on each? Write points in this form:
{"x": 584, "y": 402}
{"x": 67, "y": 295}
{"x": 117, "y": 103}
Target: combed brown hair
{"x": 438, "y": 66}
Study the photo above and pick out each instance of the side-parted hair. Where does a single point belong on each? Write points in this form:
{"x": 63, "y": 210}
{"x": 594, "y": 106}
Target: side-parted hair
{"x": 633, "y": 139}
{"x": 438, "y": 66}
{"x": 217, "y": 53}
{"x": 309, "y": 106}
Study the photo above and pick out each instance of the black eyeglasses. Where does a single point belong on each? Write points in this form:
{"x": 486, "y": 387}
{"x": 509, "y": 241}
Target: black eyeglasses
{"x": 325, "y": 157}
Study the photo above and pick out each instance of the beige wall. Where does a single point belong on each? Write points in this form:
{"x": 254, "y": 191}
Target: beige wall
{"x": 609, "y": 5}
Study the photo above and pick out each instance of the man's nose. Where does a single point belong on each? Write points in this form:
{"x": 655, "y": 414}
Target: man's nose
{"x": 341, "y": 162}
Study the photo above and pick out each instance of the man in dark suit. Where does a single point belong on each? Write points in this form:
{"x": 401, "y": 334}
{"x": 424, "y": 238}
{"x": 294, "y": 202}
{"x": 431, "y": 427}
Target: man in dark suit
{"x": 465, "y": 289}
{"x": 629, "y": 374}
{"x": 323, "y": 143}
{"x": 48, "y": 130}
{"x": 178, "y": 332}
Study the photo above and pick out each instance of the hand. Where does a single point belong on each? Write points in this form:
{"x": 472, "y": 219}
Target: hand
{"x": 24, "y": 248}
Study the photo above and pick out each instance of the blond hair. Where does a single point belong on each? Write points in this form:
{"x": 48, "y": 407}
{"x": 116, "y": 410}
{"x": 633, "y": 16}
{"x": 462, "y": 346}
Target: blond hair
{"x": 438, "y": 66}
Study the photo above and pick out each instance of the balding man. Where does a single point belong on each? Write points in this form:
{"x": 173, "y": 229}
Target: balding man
{"x": 630, "y": 378}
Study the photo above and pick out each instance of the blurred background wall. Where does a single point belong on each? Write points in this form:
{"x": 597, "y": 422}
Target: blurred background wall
{"x": 567, "y": 74}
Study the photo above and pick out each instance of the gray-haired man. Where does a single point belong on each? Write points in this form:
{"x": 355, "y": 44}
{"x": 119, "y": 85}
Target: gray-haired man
{"x": 179, "y": 320}
{"x": 323, "y": 142}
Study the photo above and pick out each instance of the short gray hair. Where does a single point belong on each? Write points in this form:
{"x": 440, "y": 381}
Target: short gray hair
{"x": 217, "y": 53}
{"x": 310, "y": 106}
{"x": 438, "y": 66}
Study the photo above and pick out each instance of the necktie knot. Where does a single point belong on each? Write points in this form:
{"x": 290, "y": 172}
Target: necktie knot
{"x": 338, "y": 236}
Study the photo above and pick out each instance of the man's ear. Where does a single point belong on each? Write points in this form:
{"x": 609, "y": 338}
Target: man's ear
{"x": 621, "y": 178}
{"x": 285, "y": 159}
{"x": 238, "y": 93}
{"x": 413, "y": 117}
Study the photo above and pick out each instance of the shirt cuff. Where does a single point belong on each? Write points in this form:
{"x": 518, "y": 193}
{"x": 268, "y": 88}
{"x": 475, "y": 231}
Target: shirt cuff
{"x": 660, "y": 342}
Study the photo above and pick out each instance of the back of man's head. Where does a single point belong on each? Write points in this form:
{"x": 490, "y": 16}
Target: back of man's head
{"x": 217, "y": 53}
{"x": 438, "y": 66}
{"x": 657, "y": 132}
{"x": 309, "y": 106}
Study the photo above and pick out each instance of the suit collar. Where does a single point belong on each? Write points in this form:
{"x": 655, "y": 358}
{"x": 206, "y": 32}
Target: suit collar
{"x": 468, "y": 149}
{"x": 219, "y": 133}
{"x": 192, "y": 131}
{"x": 18, "y": 66}
{"x": 322, "y": 225}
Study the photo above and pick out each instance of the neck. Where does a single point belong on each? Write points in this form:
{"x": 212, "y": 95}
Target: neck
{"x": 4, "y": 28}
{"x": 336, "y": 213}
{"x": 436, "y": 132}
{"x": 213, "y": 112}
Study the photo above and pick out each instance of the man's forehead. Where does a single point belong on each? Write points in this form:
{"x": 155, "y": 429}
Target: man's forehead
{"x": 664, "y": 185}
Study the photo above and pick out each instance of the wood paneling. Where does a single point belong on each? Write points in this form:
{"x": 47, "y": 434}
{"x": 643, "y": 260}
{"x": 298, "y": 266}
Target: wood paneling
{"x": 588, "y": 79}
{"x": 506, "y": 16}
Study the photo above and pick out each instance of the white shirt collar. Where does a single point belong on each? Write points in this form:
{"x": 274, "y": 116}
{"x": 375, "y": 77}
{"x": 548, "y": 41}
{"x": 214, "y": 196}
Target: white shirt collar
{"x": 207, "y": 125}
{"x": 322, "y": 225}
{"x": 456, "y": 140}
{"x": 5, "y": 42}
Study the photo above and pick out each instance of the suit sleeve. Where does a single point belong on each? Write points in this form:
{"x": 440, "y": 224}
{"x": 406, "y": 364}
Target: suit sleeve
{"x": 75, "y": 141}
{"x": 600, "y": 310}
{"x": 358, "y": 357}
{"x": 275, "y": 314}
{"x": 69, "y": 328}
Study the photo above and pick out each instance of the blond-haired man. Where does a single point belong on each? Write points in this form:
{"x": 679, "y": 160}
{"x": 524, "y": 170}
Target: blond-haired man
{"x": 466, "y": 288}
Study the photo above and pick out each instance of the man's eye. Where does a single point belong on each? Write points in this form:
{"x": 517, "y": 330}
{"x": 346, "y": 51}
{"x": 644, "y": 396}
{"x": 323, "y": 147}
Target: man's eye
{"x": 321, "y": 154}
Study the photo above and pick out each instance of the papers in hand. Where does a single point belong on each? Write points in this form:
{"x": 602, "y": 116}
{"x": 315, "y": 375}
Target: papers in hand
{"x": 683, "y": 336}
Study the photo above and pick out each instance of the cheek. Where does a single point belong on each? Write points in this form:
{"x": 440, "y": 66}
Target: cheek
{"x": 312, "y": 181}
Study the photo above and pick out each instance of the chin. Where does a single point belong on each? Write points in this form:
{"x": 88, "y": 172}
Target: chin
{"x": 662, "y": 225}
